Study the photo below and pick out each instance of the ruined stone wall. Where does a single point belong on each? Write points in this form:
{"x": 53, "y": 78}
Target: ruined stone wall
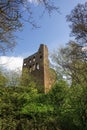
{"x": 38, "y": 66}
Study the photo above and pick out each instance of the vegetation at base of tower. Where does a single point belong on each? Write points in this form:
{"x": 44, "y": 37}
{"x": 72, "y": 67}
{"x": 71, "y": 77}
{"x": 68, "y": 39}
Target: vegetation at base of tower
{"x": 13, "y": 14}
{"x": 64, "y": 107}
{"x": 26, "y": 79}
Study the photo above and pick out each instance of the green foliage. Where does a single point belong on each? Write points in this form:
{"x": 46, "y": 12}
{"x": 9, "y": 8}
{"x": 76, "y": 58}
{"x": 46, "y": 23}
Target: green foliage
{"x": 58, "y": 93}
{"x": 63, "y": 108}
{"x": 70, "y": 61}
{"x": 73, "y": 112}
{"x": 3, "y": 80}
{"x": 12, "y": 101}
{"x": 27, "y": 79}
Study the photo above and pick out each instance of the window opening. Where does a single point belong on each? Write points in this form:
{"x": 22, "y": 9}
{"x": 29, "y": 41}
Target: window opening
{"x": 24, "y": 64}
{"x": 30, "y": 69}
{"x": 30, "y": 61}
{"x": 37, "y": 66}
{"x": 34, "y": 58}
{"x": 40, "y": 56}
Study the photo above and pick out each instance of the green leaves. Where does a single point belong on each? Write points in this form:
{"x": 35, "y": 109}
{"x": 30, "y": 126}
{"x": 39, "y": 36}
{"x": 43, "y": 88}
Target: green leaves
{"x": 63, "y": 108}
{"x": 58, "y": 93}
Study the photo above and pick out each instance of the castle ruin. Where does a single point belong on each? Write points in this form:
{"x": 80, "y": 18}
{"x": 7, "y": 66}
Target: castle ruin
{"x": 38, "y": 66}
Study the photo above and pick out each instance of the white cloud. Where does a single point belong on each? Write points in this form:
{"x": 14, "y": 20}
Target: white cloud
{"x": 11, "y": 63}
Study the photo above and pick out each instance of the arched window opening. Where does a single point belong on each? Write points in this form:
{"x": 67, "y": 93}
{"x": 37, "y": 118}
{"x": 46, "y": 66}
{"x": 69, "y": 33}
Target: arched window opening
{"x": 25, "y": 64}
{"x": 41, "y": 56}
{"x": 37, "y": 66}
{"x": 30, "y": 61}
{"x": 34, "y": 58}
{"x": 30, "y": 69}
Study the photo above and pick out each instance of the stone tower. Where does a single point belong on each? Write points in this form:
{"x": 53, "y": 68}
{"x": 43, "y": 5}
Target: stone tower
{"x": 38, "y": 66}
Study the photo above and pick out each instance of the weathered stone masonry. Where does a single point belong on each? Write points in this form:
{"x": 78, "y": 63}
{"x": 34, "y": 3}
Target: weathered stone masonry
{"x": 38, "y": 66}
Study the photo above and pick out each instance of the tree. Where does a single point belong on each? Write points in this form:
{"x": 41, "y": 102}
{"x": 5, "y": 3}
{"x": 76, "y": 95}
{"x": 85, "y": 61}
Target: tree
{"x": 71, "y": 61}
{"x": 12, "y": 101}
{"x": 27, "y": 79}
{"x": 78, "y": 20}
{"x": 76, "y": 53}
{"x": 12, "y": 16}
{"x": 3, "y": 80}
{"x": 73, "y": 114}
{"x": 57, "y": 98}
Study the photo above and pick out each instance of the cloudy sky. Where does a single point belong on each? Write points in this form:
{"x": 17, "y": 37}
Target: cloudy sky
{"x": 54, "y": 31}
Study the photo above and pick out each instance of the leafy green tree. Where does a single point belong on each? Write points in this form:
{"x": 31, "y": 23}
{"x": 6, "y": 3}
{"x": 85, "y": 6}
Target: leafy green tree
{"x": 27, "y": 79}
{"x": 40, "y": 114}
{"x": 58, "y": 93}
{"x": 56, "y": 98}
{"x": 73, "y": 110}
{"x": 3, "y": 80}
{"x": 12, "y": 101}
{"x": 71, "y": 62}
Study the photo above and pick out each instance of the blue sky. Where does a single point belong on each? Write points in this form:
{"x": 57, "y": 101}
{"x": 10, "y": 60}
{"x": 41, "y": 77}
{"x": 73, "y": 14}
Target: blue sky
{"x": 54, "y": 30}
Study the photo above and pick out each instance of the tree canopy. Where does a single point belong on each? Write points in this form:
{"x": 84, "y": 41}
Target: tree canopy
{"x": 78, "y": 20}
{"x": 64, "y": 107}
{"x": 72, "y": 60}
